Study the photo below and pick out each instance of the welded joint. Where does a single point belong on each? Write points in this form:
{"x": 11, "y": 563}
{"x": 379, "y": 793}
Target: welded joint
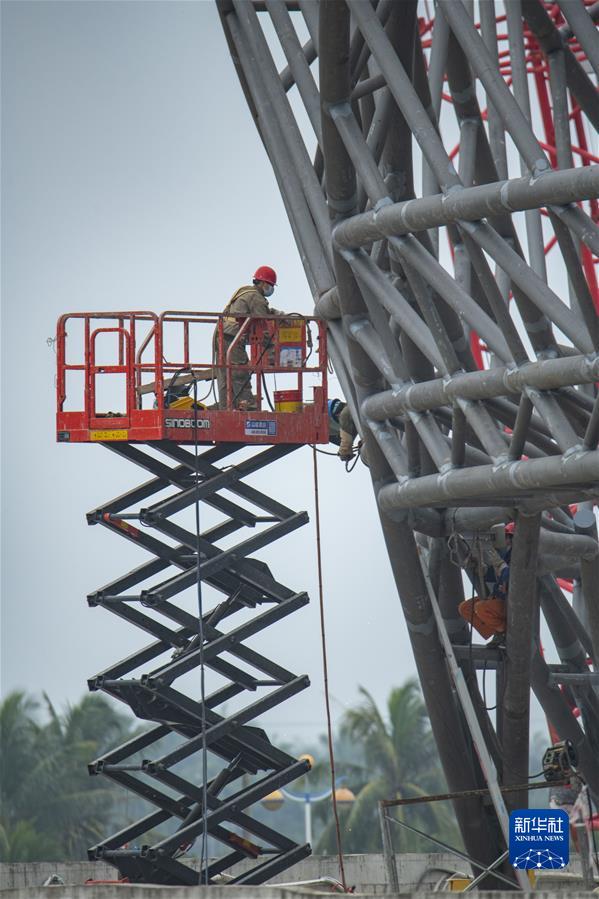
{"x": 442, "y": 482}
{"x": 511, "y": 466}
{"x": 533, "y": 393}
{"x": 356, "y": 323}
{"x": 415, "y": 415}
{"x": 511, "y": 374}
{"x": 577, "y": 450}
{"x": 504, "y": 197}
{"x": 346, "y": 254}
{"x": 378, "y": 427}
{"x": 468, "y": 226}
{"x": 463, "y": 96}
{"x": 451, "y": 190}
{"x": 396, "y": 515}
{"x": 380, "y": 204}
{"x": 407, "y": 401}
{"x": 539, "y": 168}
{"x": 403, "y": 216}
{"x": 426, "y": 628}
{"x": 469, "y": 121}
{"x": 343, "y": 207}
{"x": 337, "y": 109}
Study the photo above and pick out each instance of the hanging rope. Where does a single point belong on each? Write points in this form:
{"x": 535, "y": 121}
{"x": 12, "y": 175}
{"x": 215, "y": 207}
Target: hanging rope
{"x": 324, "y": 452}
{"x": 204, "y": 847}
{"x": 326, "y": 674}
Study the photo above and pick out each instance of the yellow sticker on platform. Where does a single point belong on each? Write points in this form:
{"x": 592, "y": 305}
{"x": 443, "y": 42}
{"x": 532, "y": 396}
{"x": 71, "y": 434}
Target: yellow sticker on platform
{"x": 290, "y": 335}
{"x": 109, "y": 435}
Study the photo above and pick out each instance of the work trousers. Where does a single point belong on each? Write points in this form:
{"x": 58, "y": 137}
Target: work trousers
{"x": 487, "y": 616}
{"x": 241, "y": 380}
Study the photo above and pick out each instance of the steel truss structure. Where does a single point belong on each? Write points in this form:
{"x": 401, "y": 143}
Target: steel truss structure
{"x": 184, "y": 727}
{"x": 467, "y": 353}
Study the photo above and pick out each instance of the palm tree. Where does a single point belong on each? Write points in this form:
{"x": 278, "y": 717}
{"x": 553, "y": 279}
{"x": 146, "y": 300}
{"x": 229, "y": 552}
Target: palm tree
{"x": 400, "y": 762}
{"x": 18, "y": 736}
{"x": 20, "y": 840}
{"x": 51, "y": 808}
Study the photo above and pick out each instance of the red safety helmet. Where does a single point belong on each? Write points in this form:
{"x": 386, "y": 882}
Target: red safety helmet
{"x": 509, "y": 528}
{"x": 266, "y": 273}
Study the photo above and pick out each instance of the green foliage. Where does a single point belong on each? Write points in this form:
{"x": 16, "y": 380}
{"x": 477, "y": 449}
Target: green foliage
{"x": 23, "y": 843}
{"x": 396, "y": 759}
{"x": 51, "y": 808}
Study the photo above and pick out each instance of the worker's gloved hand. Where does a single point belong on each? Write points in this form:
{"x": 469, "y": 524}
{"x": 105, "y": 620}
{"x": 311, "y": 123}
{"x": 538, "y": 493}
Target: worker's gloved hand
{"x": 346, "y": 446}
{"x": 492, "y": 557}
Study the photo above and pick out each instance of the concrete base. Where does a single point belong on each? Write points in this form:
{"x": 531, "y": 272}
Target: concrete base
{"x": 129, "y": 891}
{"x": 365, "y": 872}
{"x": 418, "y": 875}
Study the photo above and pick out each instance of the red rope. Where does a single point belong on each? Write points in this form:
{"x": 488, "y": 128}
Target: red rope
{"x": 325, "y": 672}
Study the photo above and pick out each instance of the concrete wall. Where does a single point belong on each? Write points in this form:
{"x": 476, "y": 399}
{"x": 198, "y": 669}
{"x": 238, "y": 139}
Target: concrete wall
{"x": 418, "y": 872}
{"x": 224, "y": 892}
{"x": 365, "y": 872}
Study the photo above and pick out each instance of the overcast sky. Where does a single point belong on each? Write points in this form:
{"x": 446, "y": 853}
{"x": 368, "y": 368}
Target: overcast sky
{"x": 133, "y": 177}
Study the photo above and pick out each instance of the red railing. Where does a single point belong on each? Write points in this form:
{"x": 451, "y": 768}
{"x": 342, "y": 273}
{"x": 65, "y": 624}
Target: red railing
{"x": 160, "y": 357}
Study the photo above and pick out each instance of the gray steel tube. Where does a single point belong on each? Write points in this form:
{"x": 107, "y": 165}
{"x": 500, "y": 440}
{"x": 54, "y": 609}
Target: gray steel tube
{"x": 469, "y": 204}
{"x": 488, "y": 29}
{"x": 534, "y": 227}
{"x": 297, "y": 63}
{"x": 586, "y": 524}
{"x": 521, "y": 617}
{"x": 547, "y": 374}
{"x": 489, "y": 481}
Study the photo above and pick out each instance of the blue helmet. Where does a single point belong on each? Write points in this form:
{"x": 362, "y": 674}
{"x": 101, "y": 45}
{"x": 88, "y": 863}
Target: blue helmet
{"x": 335, "y": 407}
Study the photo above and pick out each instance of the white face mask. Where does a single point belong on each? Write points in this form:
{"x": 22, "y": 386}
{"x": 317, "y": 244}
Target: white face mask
{"x": 268, "y": 290}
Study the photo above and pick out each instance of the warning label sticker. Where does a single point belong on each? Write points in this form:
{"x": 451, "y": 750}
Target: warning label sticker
{"x": 115, "y": 434}
{"x": 291, "y": 357}
{"x": 260, "y": 428}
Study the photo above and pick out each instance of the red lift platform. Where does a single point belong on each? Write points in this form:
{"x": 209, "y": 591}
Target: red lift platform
{"x": 143, "y": 385}
{"x": 150, "y": 359}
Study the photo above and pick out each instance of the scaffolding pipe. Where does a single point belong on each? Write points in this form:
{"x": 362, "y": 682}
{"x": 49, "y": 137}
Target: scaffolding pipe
{"x": 521, "y": 618}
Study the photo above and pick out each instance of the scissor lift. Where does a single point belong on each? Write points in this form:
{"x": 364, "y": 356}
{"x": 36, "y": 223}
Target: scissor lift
{"x": 188, "y": 447}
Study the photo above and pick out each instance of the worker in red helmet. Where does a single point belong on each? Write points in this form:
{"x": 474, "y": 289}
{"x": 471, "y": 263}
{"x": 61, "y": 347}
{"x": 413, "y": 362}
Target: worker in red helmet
{"x": 246, "y": 301}
{"x": 488, "y": 615}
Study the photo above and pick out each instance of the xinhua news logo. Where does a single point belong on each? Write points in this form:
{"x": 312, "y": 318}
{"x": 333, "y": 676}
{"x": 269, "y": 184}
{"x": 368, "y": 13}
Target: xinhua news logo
{"x": 539, "y": 838}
